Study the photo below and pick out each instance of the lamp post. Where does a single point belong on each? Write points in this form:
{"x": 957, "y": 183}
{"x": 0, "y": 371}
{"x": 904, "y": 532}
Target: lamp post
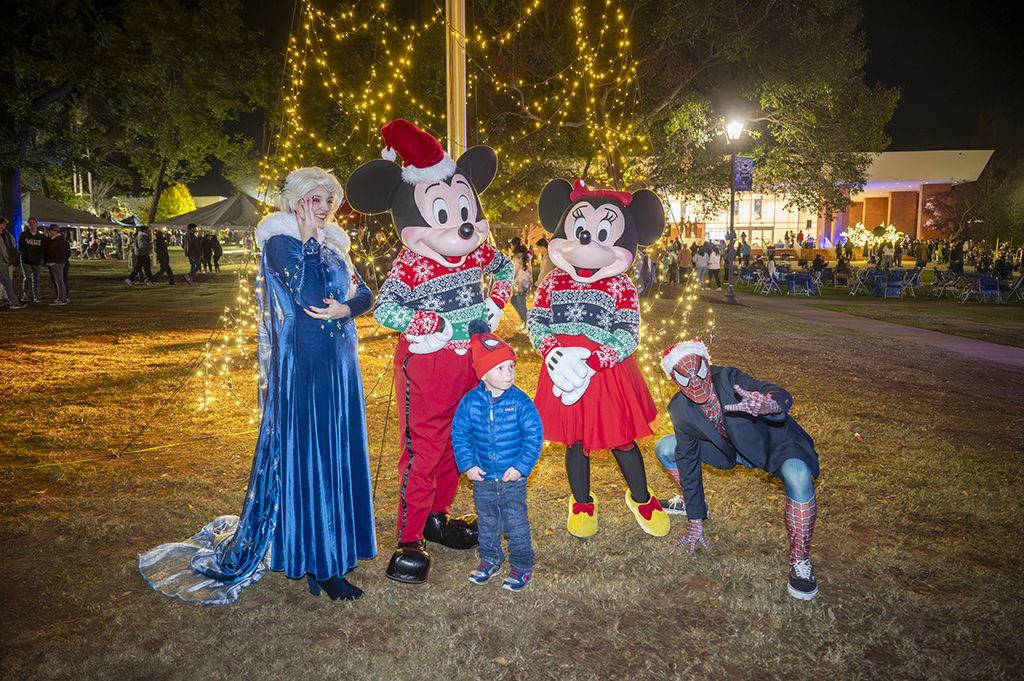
{"x": 733, "y": 132}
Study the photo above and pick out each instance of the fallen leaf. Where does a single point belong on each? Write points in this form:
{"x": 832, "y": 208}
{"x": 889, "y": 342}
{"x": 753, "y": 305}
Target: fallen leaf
{"x": 880, "y": 656}
{"x": 831, "y": 614}
{"x": 500, "y": 660}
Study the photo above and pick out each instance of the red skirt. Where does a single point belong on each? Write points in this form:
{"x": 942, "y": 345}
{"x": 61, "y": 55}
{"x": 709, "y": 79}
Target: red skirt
{"x": 616, "y": 409}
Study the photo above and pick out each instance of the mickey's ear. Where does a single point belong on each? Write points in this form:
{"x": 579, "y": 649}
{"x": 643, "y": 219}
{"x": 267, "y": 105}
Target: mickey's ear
{"x": 481, "y": 165}
{"x": 553, "y": 201}
{"x": 371, "y": 188}
{"x": 649, "y": 216}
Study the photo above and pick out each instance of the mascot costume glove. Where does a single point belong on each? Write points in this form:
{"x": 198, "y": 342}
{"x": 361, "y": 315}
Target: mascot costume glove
{"x": 493, "y": 314}
{"x": 569, "y": 372}
{"x": 426, "y": 343}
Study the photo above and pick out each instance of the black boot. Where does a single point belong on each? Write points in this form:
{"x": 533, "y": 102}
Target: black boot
{"x": 338, "y": 588}
{"x": 455, "y": 533}
{"x": 410, "y": 563}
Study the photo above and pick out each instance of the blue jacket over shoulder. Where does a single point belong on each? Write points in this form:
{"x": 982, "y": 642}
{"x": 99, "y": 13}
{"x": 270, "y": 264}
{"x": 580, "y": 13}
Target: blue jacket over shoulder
{"x": 496, "y": 434}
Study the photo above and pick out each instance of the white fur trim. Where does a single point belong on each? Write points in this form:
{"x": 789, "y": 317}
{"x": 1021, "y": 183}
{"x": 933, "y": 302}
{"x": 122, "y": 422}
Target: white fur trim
{"x": 438, "y": 172}
{"x": 388, "y": 154}
{"x": 331, "y": 236}
{"x": 680, "y": 350}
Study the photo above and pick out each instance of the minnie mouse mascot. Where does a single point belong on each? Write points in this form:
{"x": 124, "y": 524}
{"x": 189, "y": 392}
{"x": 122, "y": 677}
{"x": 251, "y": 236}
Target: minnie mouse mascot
{"x": 585, "y": 324}
{"x": 435, "y": 289}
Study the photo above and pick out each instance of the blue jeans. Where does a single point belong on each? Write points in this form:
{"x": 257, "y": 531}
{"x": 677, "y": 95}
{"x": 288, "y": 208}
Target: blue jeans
{"x": 501, "y": 508}
{"x": 794, "y": 473}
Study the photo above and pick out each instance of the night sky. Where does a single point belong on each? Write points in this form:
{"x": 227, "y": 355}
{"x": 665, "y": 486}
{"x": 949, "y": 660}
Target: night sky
{"x": 958, "y": 63}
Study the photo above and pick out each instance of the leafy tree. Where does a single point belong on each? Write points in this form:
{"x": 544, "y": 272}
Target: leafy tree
{"x": 53, "y": 51}
{"x": 174, "y": 201}
{"x": 190, "y": 66}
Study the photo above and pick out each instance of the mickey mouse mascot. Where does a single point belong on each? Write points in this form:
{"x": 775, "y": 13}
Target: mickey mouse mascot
{"x": 585, "y": 324}
{"x": 435, "y": 289}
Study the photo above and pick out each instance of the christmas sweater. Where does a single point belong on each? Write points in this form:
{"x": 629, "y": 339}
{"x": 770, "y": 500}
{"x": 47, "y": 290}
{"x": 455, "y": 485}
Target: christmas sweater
{"x": 419, "y": 292}
{"x": 606, "y": 312}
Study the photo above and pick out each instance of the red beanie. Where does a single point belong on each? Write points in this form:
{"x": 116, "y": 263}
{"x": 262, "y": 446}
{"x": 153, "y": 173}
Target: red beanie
{"x": 488, "y": 350}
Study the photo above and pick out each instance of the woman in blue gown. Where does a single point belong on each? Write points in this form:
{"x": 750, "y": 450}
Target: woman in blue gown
{"x": 308, "y": 510}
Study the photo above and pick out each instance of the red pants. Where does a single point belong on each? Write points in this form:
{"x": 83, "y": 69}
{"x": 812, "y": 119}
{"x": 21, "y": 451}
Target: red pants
{"x": 428, "y": 390}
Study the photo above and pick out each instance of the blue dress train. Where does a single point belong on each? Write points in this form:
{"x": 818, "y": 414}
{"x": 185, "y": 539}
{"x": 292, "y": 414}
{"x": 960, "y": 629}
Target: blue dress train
{"x": 309, "y": 507}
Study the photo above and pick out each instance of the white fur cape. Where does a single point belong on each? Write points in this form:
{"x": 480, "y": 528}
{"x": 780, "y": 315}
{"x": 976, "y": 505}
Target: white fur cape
{"x": 331, "y": 236}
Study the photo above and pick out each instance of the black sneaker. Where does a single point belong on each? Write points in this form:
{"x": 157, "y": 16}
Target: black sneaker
{"x": 802, "y": 584}
{"x": 673, "y": 506}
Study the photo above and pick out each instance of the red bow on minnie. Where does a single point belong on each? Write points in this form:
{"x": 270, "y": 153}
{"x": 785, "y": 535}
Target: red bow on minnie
{"x": 580, "y": 189}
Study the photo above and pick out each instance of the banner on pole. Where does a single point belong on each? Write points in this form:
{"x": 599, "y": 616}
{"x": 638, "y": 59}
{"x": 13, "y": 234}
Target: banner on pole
{"x": 744, "y": 174}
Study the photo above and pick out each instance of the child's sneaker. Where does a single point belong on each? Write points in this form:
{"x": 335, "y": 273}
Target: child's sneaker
{"x": 517, "y": 580}
{"x": 484, "y": 571}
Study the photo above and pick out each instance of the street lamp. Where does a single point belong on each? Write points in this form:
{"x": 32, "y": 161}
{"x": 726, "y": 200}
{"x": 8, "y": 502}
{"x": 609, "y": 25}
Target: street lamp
{"x": 733, "y": 132}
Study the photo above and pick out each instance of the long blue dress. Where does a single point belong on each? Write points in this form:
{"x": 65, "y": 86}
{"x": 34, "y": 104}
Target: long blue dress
{"x": 309, "y": 507}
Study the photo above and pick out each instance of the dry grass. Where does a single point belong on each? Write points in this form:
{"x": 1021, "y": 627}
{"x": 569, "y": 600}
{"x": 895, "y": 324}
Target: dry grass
{"x": 918, "y": 548}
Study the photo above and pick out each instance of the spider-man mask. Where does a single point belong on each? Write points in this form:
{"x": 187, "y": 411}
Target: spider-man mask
{"x": 692, "y": 375}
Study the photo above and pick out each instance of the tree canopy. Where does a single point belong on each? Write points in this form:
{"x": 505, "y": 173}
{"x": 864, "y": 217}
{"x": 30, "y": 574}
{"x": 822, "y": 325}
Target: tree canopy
{"x": 137, "y": 92}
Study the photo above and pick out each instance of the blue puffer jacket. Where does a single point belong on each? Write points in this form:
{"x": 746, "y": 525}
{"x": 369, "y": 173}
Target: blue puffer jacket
{"x": 497, "y": 433}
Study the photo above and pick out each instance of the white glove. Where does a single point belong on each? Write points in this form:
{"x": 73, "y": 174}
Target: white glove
{"x": 568, "y": 368}
{"x": 573, "y": 396}
{"x": 426, "y": 343}
{"x": 493, "y": 314}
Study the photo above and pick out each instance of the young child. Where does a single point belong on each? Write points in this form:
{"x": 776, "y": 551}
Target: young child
{"x": 497, "y": 436}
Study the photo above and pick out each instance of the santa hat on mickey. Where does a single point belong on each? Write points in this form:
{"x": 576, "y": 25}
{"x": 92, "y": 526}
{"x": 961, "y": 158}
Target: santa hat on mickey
{"x": 675, "y": 353}
{"x": 423, "y": 158}
{"x": 488, "y": 350}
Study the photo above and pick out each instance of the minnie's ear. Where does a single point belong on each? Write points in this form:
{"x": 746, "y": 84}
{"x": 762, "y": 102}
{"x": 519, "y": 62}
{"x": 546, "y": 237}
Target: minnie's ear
{"x": 553, "y": 201}
{"x": 371, "y": 188}
{"x": 649, "y": 216}
{"x": 480, "y": 165}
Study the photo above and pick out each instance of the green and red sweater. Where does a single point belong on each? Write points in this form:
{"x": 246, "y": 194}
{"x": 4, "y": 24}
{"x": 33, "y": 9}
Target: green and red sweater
{"x": 419, "y": 292}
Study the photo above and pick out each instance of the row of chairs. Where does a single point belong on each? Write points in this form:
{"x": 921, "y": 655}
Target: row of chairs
{"x": 984, "y": 289}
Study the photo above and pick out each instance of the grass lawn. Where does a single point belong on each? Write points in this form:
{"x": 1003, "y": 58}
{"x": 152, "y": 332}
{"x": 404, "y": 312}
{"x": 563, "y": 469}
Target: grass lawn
{"x": 105, "y": 453}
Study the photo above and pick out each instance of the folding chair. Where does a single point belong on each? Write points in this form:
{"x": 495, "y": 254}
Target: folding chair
{"x": 859, "y": 282}
{"x": 815, "y": 287}
{"x": 770, "y": 283}
{"x": 799, "y": 284}
{"x": 911, "y": 281}
{"x": 892, "y": 287}
{"x": 989, "y": 288}
{"x": 760, "y": 280}
{"x": 971, "y": 288}
{"x": 1016, "y": 290}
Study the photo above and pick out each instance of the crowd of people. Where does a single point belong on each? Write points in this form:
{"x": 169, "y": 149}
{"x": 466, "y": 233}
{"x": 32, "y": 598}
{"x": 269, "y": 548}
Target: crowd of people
{"x": 50, "y": 247}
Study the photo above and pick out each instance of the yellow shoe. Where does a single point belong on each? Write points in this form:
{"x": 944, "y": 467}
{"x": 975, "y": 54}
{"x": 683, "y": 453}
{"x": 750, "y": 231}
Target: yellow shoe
{"x": 583, "y": 517}
{"x": 650, "y": 516}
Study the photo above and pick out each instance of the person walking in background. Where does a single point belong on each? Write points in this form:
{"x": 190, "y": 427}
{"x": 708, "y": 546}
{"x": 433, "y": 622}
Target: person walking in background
{"x": 522, "y": 282}
{"x": 163, "y": 258}
{"x": 57, "y": 255}
{"x": 194, "y": 251}
{"x": 143, "y": 261}
{"x": 218, "y": 251}
{"x": 9, "y": 258}
{"x": 700, "y": 264}
{"x": 207, "y": 245}
{"x": 30, "y": 249}
{"x": 545, "y": 260}
{"x": 684, "y": 261}
{"x": 714, "y": 267}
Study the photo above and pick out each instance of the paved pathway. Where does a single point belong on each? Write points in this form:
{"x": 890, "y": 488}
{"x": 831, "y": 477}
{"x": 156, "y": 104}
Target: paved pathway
{"x": 993, "y": 352}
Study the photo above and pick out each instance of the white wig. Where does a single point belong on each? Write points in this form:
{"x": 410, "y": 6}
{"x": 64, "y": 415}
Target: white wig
{"x": 304, "y": 180}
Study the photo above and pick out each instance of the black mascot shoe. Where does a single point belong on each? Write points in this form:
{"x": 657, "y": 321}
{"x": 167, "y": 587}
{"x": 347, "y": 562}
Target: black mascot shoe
{"x": 455, "y": 533}
{"x": 410, "y": 563}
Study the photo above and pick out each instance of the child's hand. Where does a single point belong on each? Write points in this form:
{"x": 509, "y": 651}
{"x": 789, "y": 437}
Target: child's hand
{"x": 476, "y": 474}
{"x": 511, "y": 475}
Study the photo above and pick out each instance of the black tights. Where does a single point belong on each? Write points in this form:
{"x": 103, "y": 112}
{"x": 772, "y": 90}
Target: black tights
{"x": 631, "y": 463}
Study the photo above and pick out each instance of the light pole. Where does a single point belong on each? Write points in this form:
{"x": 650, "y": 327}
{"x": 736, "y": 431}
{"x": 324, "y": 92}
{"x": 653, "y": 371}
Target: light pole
{"x": 733, "y": 131}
